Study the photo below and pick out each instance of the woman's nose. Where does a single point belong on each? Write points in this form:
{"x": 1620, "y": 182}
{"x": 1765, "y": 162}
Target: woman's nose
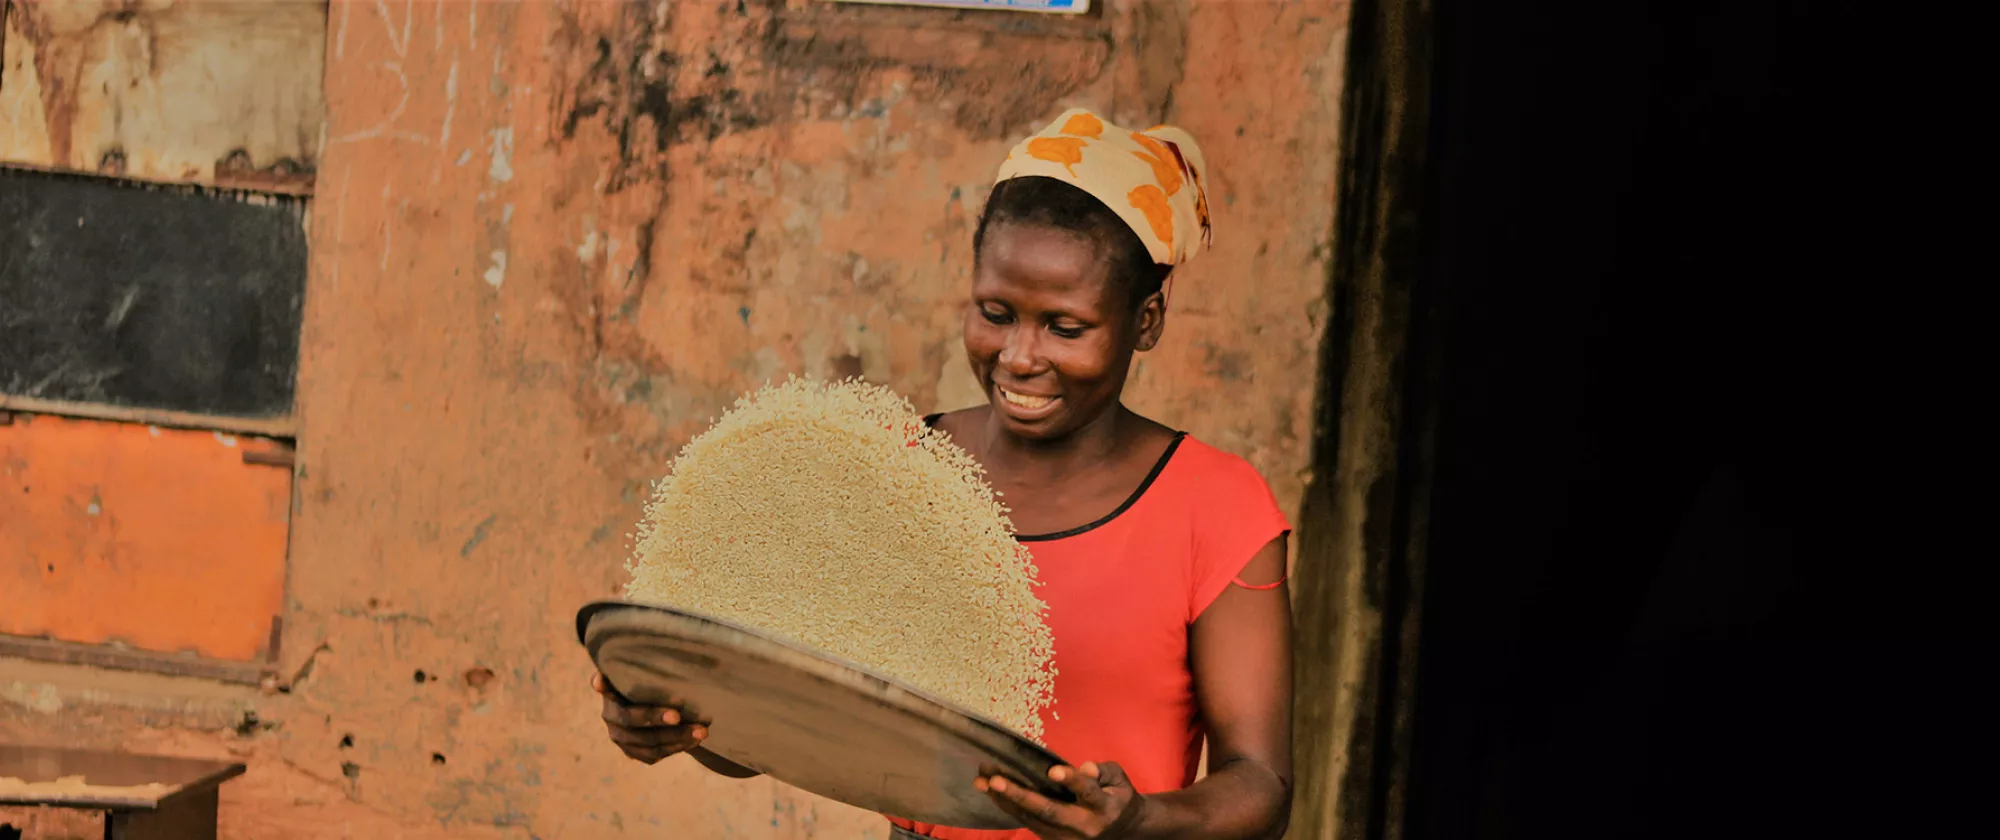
{"x": 1019, "y": 355}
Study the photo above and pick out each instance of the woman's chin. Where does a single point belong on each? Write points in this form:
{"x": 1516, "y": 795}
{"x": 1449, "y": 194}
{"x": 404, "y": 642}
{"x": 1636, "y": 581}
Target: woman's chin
{"x": 1041, "y": 423}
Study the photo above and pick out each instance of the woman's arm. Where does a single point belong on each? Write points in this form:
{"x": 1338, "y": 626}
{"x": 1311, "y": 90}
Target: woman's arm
{"x": 1241, "y": 652}
{"x": 1241, "y": 649}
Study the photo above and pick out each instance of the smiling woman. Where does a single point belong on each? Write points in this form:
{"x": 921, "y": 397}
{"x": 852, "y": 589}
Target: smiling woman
{"x": 1162, "y": 559}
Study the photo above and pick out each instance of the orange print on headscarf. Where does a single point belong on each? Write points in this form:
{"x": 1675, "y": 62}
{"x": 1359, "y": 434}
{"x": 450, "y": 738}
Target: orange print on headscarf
{"x": 1084, "y": 124}
{"x": 1200, "y": 190}
{"x": 1153, "y": 202}
{"x": 1151, "y": 179}
{"x": 1067, "y": 151}
{"x": 1167, "y": 172}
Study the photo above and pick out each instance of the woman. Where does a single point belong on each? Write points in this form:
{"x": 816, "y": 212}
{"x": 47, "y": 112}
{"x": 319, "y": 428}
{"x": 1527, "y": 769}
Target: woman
{"x": 1163, "y": 560}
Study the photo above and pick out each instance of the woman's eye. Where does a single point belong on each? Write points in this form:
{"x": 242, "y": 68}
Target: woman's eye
{"x": 993, "y": 317}
{"x": 1066, "y": 332}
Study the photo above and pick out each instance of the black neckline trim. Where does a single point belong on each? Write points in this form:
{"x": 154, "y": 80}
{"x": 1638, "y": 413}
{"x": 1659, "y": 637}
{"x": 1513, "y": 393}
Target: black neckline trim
{"x": 1159, "y": 466}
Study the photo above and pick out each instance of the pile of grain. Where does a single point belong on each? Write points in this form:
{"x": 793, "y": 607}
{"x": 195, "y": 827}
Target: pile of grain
{"x": 829, "y": 514}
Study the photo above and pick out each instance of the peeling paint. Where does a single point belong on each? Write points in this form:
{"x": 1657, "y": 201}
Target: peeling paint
{"x": 496, "y": 273}
{"x": 501, "y": 148}
{"x": 43, "y": 699}
{"x": 450, "y": 99}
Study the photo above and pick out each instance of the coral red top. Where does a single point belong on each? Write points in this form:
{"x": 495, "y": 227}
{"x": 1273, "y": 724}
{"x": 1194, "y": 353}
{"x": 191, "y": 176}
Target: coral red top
{"x": 1122, "y": 593}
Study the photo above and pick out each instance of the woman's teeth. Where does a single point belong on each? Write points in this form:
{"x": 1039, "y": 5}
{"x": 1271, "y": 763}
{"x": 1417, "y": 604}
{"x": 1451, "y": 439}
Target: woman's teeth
{"x": 1023, "y": 400}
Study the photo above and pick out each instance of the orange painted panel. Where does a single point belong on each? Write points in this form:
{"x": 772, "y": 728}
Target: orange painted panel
{"x": 161, "y": 539}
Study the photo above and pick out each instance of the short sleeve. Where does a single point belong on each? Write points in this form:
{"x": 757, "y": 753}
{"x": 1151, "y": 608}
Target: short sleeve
{"x": 1234, "y": 518}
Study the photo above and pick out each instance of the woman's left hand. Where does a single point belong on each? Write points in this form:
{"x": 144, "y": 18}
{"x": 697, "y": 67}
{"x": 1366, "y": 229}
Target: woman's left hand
{"x": 1106, "y": 807}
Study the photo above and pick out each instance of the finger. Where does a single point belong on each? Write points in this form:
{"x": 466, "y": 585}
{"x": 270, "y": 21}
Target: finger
{"x": 1081, "y": 781}
{"x": 672, "y": 739}
{"x": 639, "y": 717}
{"x": 657, "y": 735}
{"x": 1043, "y": 809}
{"x": 1034, "y": 823}
{"x": 645, "y": 755}
{"x": 659, "y": 732}
{"x": 602, "y": 684}
{"x": 987, "y": 774}
{"x": 992, "y": 771}
{"x": 1108, "y": 774}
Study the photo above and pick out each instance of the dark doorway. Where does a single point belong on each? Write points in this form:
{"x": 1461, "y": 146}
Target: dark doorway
{"x": 1686, "y": 267}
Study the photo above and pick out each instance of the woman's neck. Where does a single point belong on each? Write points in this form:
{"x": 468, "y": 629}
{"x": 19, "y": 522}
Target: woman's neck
{"x": 1096, "y": 443}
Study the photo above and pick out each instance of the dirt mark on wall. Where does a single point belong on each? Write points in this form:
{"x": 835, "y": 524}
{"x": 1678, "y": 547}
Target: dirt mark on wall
{"x": 653, "y": 84}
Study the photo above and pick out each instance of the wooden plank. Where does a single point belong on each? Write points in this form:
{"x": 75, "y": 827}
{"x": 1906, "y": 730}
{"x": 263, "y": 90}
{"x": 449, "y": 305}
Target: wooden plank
{"x": 178, "y": 299}
{"x": 30, "y": 775}
{"x": 126, "y": 659}
{"x": 227, "y": 94}
{"x": 274, "y": 427}
{"x": 161, "y": 540}
{"x": 192, "y": 816}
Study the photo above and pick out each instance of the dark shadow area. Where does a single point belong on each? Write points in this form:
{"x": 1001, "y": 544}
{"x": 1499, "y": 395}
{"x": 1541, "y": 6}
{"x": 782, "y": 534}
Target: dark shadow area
{"x": 1702, "y": 440}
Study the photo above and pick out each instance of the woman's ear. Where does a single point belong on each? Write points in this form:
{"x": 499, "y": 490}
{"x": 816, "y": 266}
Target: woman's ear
{"x": 1152, "y": 321}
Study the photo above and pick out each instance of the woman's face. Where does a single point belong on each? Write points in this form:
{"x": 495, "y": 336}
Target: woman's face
{"x": 1049, "y": 335}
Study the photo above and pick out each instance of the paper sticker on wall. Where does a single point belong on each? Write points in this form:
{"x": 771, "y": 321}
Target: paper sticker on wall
{"x": 1061, "y": 7}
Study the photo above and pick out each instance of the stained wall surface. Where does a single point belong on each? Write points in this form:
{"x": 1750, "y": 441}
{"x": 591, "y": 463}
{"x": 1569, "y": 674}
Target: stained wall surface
{"x": 165, "y": 90}
{"x": 551, "y": 240}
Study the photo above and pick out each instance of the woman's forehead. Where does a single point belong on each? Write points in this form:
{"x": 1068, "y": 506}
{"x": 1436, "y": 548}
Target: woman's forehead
{"x": 1042, "y": 260}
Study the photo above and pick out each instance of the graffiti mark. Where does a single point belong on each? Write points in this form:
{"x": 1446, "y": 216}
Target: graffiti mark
{"x": 478, "y": 536}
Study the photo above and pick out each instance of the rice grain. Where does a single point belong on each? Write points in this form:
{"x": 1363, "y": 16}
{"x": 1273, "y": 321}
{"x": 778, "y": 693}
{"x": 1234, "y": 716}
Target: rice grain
{"x": 829, "y": 514}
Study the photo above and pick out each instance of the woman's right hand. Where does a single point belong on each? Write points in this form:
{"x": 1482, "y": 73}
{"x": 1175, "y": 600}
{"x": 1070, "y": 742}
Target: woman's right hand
{"x": 646, "y": 733}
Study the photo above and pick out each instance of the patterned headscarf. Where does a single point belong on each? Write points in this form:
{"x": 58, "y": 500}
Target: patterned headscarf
{"x": 1152, "y": 179}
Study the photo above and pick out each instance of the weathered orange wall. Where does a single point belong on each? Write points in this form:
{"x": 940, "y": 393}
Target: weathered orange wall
{"x": 552, "y": 240}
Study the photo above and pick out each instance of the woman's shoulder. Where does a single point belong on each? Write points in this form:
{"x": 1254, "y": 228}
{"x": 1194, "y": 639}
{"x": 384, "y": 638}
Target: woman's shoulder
{"x": 1209, "y": 485}
{"x": 1211, "y": 465}
{"x": 1230, "y": 515}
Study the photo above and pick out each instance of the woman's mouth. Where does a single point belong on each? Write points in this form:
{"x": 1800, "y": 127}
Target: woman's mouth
{"x": 1025, "y": 406}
